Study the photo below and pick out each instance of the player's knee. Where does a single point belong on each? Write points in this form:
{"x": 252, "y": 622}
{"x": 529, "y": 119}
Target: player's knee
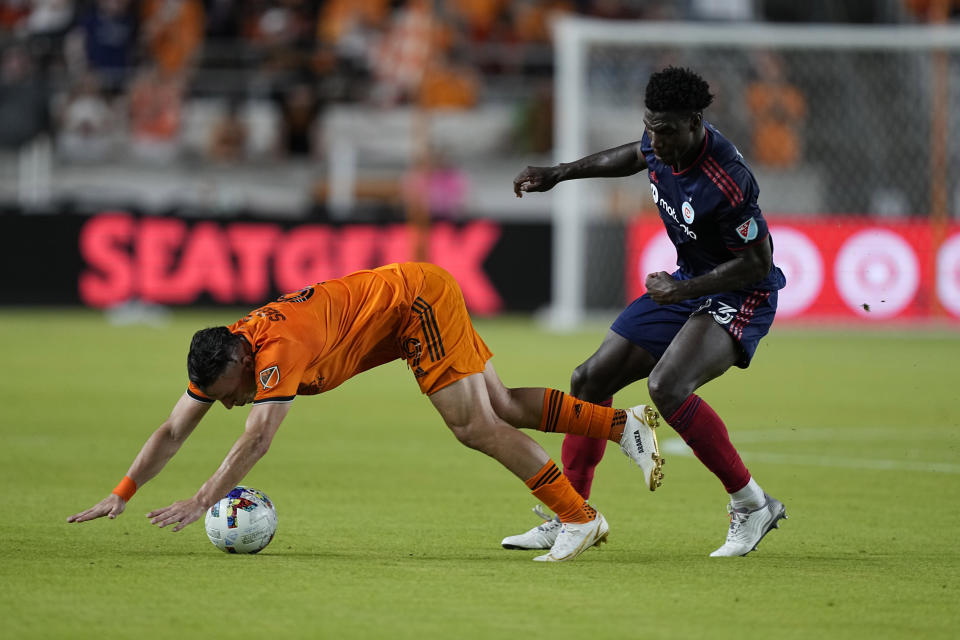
{"x": 577, "y": 380}
{"x": 472, "y": 435}
{"x": 584, "y": 383}
{"x": 663, "y": 393}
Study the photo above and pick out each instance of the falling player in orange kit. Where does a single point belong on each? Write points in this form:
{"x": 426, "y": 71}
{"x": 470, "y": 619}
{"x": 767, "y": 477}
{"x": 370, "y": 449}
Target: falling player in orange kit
{"x": 311, "y": 341}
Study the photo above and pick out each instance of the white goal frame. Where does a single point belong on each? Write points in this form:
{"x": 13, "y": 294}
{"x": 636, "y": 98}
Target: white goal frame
{"x": 573, "y": 37}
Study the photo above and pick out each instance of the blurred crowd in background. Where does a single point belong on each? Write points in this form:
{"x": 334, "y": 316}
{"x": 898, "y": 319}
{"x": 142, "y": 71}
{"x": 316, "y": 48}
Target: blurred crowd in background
{"x": 100, "y": 73}
{"x": 109, "y": 80}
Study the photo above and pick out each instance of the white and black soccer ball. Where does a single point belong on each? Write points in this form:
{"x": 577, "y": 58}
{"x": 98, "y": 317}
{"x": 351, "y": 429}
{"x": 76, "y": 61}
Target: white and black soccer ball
{"x": 243, "y": 521}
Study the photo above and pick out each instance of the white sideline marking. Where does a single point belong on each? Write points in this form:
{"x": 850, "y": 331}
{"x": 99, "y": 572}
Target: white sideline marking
{"x": 676, "y": 446}
{"x": 839, "y": 434}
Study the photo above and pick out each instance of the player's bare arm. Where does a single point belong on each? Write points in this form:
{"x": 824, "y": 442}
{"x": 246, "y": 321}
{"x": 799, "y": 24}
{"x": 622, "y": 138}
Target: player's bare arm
{"x": 159, "y": 448}
{"x": 253, "y": 443}
{"x": 625, "y": 160}
{"x": 750, "y": 265}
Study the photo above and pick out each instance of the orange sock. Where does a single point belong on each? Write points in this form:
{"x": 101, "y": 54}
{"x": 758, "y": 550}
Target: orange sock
{"x": 553, "y": 489}
{"x": 565, "y": 414}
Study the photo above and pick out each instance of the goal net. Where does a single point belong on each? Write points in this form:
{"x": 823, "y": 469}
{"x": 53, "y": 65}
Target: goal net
{"x": 834, "y": 121}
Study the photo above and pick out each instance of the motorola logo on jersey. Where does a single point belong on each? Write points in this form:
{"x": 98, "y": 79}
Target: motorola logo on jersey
{"x": 670, "y": 211}
{"x": 655, "y": 193}
{"x": 269, "y": 377}
{"x": 687, "y": 212}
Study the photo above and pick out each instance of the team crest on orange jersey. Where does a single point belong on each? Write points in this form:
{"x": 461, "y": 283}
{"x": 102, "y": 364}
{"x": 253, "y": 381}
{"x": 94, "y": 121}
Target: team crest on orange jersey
{"x": 297, "y": 296}
{"x": 269, "y": 377}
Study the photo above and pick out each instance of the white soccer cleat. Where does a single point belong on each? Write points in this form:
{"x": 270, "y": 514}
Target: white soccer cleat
{"x": 639, "y": 443}
{"x": 747, "y": 527}
{"x": 574, "y": 539}
{"x": 540, "y": 537}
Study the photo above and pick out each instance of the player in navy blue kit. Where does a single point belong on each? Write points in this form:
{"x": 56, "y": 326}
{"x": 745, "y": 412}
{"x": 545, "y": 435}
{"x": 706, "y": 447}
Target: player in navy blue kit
{"x": 694, "y": 324}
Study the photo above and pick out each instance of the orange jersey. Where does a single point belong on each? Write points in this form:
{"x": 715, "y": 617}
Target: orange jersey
{"x": 313, "y": 340}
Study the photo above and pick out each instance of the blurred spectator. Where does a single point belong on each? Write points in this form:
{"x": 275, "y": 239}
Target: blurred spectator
{"x": 50, "y": 17}
{"x": 299, "y": 110}
{"x": 532, "y": 19}
{"x": 172, "y": 32}
{"x": 228, "y": 136}
{"x": 337, "y": 18}
{"x": 86, "y": 124}
{"x": 283, "y": 32}
{"x": 449, "y": 84}
{"x": 479, "y": 17}
{"x": 48, "y": 22}
{"x": 105, "y": 42}
{"x": 400, "y": 60}
{"x": 435, "y": 187}
{"x": 24, "y": 111}
{"x": 531, "y": 23}
{"x": 778, "y": 110}
{"x": 347, "y": 33}
{"x": 281, "y": 24}
{"x": 156, "y": 105}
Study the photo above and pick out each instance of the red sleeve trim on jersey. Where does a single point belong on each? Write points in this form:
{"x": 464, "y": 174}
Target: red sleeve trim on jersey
{"x": 198, "y": 397}
{"x": 723, "y": 180}
{"x": 741, "y": 247}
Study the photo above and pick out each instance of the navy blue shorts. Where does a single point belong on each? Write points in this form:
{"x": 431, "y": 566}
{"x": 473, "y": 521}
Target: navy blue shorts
{"x": 745, "y": 314}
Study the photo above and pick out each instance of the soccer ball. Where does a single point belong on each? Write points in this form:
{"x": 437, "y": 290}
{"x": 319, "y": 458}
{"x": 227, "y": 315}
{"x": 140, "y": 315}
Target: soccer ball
{"x": 243, "y": 521}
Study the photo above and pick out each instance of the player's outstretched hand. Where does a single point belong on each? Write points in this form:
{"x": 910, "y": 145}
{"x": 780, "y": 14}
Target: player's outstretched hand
{"x": 535, "y": 179}
{"x": 111, "y": 506}
{"x": 179, "y": 513}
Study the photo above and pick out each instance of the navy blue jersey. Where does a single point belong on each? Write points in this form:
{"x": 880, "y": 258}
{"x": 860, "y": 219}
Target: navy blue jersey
{"x": 710, "y": 208}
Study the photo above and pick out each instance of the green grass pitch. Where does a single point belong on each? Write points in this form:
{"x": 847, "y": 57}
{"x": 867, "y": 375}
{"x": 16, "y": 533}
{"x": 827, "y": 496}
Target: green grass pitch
{"x": 390, "y": 529}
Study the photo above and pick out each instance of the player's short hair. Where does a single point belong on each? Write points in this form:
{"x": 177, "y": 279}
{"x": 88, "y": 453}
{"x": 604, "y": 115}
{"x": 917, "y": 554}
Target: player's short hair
{"x": 211, "y": 350}
{"x": 677, "y": 89}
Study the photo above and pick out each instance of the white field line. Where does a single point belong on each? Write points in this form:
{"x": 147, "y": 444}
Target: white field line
{"x": 842, "y": 434}
{"x": 675, "y": 446}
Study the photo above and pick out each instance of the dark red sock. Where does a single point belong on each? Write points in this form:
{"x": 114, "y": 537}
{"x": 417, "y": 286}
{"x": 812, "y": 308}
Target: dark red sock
{"x": 703, "y": 430}
{"x": 580, "y": 456}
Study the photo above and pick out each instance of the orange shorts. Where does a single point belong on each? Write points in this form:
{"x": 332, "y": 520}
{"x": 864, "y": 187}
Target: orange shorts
{"x": 438, "y": 339}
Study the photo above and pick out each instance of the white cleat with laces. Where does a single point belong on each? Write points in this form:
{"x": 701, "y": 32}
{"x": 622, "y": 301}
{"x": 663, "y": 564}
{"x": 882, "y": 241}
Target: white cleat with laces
{"x": 748, "y": 526}
{"x": 540, "y": 537}
{"x": 574, "y": 539}
{"x": 639, "y": 443}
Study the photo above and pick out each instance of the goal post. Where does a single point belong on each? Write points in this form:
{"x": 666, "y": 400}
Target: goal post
{"x": 873, "y": 96}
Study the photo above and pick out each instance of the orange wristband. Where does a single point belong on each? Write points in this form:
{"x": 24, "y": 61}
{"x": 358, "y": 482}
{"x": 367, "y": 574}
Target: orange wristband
{"x": 126, "y": 488}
